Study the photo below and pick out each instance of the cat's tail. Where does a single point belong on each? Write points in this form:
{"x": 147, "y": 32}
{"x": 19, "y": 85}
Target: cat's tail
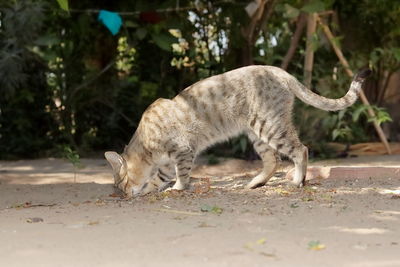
{"x": 329, "y": 104}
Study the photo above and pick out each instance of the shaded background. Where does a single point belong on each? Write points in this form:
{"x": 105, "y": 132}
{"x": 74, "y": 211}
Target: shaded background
{"x": 68, "y": 83}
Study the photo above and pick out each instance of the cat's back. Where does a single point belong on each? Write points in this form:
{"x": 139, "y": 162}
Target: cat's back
{"x": 154, "y": 123}
{"x": 157, "y": 111}
{"x": 253, "y": 71}
{"x": 248, "y": 78}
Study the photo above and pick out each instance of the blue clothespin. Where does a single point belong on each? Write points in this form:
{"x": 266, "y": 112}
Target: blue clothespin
{"x": 111, "y": 20}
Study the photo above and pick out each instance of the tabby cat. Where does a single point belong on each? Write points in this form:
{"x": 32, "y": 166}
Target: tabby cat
{"x": 255, "y": 100}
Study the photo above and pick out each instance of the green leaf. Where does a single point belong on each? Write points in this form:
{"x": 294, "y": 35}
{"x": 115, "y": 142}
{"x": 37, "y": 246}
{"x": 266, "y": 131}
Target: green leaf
{"x": 396, "y": 53}
{"x": 376, "y": 55}
{"x": 133, "y": 79}
{"x": 72, "y": 156}
{"x": 163, "y": 41}
{"x": 341, "y": 114}
{"x": 336, "y": 40}
{"x": 316, "y": 245}
{"x": 381, "y": 115}
{"x": 291, "y": 12}
{"x": 344, "y": 132}
{"x": 47, "y": 40}
{"x": 141, "y": 33}
{"x": 131, "y": 24}
{"x": 63, "y": 4}
{"x": 213, "y": 209}
{"x": 358, "y": 111}
{"x": 315, "y": 41}
{"x": 335, "y": 134}
{"x": 148, "y": 90}
{"x": 314, "y": 7}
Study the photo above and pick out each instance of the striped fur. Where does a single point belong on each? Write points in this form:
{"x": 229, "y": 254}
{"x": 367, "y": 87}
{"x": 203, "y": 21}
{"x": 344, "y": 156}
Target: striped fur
{"x": 256, "y": 100}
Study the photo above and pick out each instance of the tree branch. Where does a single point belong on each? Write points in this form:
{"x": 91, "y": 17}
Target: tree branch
{"x": 249, "y": 32}
{"x": 294, "y": 42}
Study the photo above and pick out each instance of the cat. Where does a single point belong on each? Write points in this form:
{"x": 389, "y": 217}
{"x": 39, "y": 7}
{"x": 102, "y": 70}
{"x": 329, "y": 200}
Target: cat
{"x": 254, "y": 100}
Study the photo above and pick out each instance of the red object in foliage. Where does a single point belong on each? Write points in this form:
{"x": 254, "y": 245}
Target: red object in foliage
{"x": 150, "y": 17}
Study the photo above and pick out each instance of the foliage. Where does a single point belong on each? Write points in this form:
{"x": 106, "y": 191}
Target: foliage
{"x": 67, "y": 80}
{"x": 25, "y": 124}
{"x": 344, "y": 124}
{"x": 73, "y": 157}
{"x": 63, "y": 4}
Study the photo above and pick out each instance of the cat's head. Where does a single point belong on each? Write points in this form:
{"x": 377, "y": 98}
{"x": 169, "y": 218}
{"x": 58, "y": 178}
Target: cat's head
{"x": 129, "y": 175}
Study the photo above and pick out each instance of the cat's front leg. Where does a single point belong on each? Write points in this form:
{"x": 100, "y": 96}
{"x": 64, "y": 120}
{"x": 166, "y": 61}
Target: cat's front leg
{"x": 184, "y": 164}
{"x": 165, "y": 176}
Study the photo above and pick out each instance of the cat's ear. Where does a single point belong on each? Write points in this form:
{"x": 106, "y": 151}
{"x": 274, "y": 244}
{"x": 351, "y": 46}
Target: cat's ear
{"x": 117, "y": 162}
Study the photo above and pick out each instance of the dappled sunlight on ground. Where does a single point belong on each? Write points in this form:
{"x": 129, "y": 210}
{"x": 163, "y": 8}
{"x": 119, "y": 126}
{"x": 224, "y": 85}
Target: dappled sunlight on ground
{"x": 381, "y": 263}
{"x": 53, "y": 171}
{"x": 217, "y": 222}
{"x": 386, "y": 215}
{"x": 359, "y": 231}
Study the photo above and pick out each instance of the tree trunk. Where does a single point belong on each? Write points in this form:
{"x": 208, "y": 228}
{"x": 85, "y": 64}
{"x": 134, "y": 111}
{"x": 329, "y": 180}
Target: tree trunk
{"x": 309, "y": 58}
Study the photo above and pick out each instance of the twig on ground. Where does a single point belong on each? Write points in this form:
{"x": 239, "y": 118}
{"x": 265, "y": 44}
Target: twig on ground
{"x": 181, "y": 212}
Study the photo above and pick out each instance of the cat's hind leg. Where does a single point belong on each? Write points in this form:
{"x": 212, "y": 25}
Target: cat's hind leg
{"x": 300, "y": 159}
{"x": 282, "y": 137}
{"x": 287, "y": 143}
{"x": 268, "y": 158}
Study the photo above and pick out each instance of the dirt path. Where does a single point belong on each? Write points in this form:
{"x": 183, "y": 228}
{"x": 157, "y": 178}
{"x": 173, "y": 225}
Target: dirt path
{"x": 47, "y": 220}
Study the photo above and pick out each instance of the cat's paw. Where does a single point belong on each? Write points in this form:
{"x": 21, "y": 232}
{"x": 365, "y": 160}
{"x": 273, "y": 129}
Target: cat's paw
{"x": 298, "y": 184}
{"x": 258, "y": 181}
{"x": 254, "y": 185}
{"x": 175, "y": 188}
{"x": 290, "y": 175}
{"x": 178, "y": 187}
{"x": 166, "y": 186}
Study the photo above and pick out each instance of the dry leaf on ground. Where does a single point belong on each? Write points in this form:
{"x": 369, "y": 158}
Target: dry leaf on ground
{"x": 34, "y": 220}
{"x": 316, "y": 245}
{"x": 214, "y": 209}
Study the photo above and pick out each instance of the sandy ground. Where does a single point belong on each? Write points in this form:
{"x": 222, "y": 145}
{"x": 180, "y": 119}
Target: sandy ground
{"x": 48, "y": 220}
